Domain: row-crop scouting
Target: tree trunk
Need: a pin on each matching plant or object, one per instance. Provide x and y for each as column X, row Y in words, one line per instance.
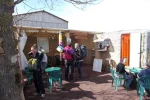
column 9, row 69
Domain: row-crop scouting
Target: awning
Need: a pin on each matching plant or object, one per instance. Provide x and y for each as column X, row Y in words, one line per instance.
column 39, row 31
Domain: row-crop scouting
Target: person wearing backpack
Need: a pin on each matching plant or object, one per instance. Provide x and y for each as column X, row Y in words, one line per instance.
column 37, row 72
column 68, row 54
column 80, row 53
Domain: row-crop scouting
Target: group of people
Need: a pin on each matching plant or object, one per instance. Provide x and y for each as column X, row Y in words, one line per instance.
column 71, row 58
column 120, row 69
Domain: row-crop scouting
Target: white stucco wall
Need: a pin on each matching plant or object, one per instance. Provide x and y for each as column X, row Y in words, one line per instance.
column 115, row 38
column 147, row 48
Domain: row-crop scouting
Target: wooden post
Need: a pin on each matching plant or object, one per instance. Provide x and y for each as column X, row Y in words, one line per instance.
column 67, row 34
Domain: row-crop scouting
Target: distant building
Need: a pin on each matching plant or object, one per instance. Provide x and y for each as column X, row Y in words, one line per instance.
column 40, row 19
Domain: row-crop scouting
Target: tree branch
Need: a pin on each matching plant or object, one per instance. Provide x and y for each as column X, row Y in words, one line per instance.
column 81, row 2
column 18, row 1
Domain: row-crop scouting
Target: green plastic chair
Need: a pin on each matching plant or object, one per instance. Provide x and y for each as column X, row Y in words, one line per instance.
column 142, row 84
column 116, row 80
column 112, row 74
column 29, row 75
column 56, row 76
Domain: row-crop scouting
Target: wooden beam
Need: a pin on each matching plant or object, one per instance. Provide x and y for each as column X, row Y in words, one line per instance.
column 80, row 34
column 81, row 37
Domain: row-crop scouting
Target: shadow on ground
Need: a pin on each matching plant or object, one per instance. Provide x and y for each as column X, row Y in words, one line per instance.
column 93, row 86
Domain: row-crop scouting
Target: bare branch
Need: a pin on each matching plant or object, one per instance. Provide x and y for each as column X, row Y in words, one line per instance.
column 81, row 2
column 15, row 21
column 18, row 1
column 29, row 6
column 32, row 7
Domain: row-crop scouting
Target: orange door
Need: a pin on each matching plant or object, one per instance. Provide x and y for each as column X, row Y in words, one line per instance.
column 125, row 47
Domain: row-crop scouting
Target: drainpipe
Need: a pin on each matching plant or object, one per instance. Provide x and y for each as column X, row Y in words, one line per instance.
column 141, row 42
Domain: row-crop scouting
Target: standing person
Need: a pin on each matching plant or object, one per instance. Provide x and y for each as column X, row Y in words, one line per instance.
column 68, row 54
column 121, row 70
column 78, row 59
column 44, row 60
column 37, row 75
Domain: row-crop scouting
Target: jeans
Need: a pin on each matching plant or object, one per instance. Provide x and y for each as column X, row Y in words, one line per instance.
column 38, row 82
column 44, row 65
column 147, row 90
column 79, row 65
column 68, row 69
column 129, row 79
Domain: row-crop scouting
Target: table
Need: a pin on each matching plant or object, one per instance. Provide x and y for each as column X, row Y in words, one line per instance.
column 135, row 70
column 52, row 77
column 48, row 70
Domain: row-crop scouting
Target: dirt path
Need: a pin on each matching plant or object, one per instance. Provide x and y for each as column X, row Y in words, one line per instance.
column 93, row 86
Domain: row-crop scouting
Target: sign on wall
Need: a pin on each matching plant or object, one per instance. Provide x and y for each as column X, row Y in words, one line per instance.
column 97, row 65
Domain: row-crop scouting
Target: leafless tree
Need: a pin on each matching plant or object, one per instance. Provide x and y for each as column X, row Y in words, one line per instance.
column 10, row 75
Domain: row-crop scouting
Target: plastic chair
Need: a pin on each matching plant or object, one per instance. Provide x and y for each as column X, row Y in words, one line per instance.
column 29, row 75
column 112, row 74
column 115, row 78
column 143, row 83
column 56, row 76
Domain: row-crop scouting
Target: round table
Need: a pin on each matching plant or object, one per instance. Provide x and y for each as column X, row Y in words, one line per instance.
column 52, row 69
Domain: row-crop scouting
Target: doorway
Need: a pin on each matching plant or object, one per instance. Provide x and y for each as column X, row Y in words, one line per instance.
column 125, row 47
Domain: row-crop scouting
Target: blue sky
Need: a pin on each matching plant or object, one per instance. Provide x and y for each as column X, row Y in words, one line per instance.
column 61, row 8
column 109, row 15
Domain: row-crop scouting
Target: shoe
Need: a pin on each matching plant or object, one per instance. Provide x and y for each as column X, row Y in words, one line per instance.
column 80, row 77
column 128, row 89
column 124, row 86
column 66, row 80
column 35, row 94
column 42, row 95
column 147, row 94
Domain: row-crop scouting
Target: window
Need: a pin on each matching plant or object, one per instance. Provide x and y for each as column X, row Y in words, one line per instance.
column 44, row 43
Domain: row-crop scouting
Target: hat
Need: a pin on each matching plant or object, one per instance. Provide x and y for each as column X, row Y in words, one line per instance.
column 68, row 41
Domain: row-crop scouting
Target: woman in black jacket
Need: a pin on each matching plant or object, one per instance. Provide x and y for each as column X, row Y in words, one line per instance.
column 37, row 73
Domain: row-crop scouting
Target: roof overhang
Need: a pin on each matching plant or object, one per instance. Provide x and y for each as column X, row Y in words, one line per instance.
column 39, row 31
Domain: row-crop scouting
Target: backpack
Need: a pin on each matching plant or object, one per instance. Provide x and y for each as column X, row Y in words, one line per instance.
column 67, row 55
column 83, row 52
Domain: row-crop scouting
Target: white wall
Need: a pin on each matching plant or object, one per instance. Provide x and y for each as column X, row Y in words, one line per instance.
column 148, row 46
column 135, row 41
column 115, row 38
